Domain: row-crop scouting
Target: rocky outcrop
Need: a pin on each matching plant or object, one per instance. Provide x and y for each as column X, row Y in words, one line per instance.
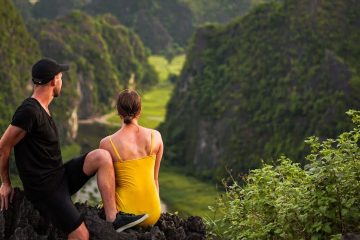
column 22, row 221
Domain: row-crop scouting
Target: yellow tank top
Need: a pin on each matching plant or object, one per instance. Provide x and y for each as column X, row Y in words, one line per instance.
column 136, row 191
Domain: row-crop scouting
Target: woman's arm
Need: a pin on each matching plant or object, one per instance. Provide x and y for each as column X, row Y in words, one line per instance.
column 159, row 154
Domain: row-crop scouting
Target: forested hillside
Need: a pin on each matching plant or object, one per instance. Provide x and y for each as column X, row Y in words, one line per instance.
column 103, row 54
column 18, row 51
column 257, row 87
column 161, row 24
column 164, row 26
column 217, row 11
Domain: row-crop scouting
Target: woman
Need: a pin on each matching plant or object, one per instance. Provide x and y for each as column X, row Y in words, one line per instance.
column 136, row 152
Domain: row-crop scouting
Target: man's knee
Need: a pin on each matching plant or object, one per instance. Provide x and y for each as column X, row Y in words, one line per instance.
column 81, row 233
column 100, row 155
column 96, row 159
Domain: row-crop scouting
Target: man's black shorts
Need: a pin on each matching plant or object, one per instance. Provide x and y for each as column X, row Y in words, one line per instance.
column 58, row 206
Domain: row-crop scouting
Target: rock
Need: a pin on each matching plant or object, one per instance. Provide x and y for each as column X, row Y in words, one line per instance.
column 350, row 236
column 22, row 221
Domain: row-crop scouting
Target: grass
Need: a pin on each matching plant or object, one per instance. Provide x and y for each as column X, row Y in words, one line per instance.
column 176, row 64
column 70, row 151
column 160, row 65
column 186, row 194
column 154, row 106
column 164, row 68
column 154, row 101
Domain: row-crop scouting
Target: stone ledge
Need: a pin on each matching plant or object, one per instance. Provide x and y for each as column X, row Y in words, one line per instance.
column 22, row 221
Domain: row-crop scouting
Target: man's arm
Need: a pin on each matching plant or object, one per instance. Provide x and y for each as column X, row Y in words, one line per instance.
column 10, row 138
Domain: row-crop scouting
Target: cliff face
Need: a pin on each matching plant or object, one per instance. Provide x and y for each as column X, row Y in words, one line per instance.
column 22, row 221
column 257, row 87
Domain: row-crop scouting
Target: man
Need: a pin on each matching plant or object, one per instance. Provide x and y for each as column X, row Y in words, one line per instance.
column 47, row 182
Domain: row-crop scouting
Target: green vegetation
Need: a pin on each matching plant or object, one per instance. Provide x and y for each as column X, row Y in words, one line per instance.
column 176, row 64
column 154, row 105
column 186, row 194
column 161, row 66
column 18, row 51
column 217, row 11
column 214, row 11
column 320, row 201
column 154, row 101
column 70, row 151
column 255, row 88
column 55, row 8
column 164, row 26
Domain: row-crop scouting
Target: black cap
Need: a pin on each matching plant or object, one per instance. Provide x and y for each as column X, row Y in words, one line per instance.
column 45, row 70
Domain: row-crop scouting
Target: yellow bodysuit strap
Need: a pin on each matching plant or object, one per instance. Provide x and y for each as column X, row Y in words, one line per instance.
column 152, row 142
column 115, row 150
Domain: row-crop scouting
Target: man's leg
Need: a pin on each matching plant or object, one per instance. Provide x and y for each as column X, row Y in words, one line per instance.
column 59, row 208
column 81, row 233
column 100, row 162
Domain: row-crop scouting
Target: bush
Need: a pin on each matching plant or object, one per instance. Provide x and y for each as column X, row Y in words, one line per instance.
column 319, row 201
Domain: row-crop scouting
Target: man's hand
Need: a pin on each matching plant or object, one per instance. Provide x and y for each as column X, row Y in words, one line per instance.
column 6, row 194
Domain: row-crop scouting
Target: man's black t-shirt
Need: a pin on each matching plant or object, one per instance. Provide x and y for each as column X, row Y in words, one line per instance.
column 37, row 155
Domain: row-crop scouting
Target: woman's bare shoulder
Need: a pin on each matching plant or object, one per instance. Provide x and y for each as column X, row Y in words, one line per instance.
column 105, row 142
column 155, row 132
column 157, row 136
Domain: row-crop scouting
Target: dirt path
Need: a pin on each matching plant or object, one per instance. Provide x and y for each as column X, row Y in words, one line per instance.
column 101, row 119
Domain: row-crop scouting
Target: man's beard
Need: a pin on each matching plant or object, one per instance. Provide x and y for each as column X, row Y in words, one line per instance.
column 56, row 93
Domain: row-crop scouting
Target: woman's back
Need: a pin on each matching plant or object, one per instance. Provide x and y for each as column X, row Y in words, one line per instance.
column 133, row 142
column 134, row 151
